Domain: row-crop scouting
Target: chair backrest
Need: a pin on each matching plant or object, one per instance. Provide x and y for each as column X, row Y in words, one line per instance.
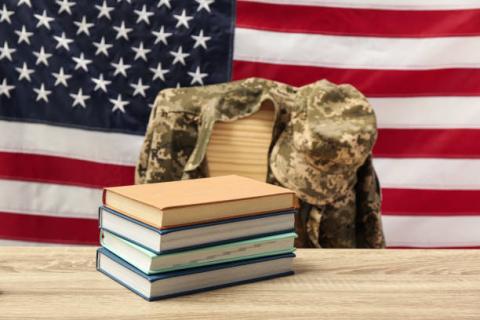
column 241, row 147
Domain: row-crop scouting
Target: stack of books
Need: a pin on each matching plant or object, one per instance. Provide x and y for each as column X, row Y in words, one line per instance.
column 166, row 239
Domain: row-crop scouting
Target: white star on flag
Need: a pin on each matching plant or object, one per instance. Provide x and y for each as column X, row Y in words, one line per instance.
column 121, row 68
column 139, row 88
column 81, row 62
column 165, row 3
column 42, row 94
column 23, row 35
column 143, row 15
column 6, row 52
column 200, row 40
column 65, row 5
column 63, row 41
column 179, row 56
column 42, row 56
column 161, row 36
column 141, row 52
column 182, row 20
column 204, row 4
column 5, row 88
column 83, row 26
column 159, row 73
column 43, row 20
column 119, row 104
column 61, row 78
column 5, row 14
column 197, row 76
column 24, row 72
column 25, row 2
column 122, row 31
column 100, row 83
column 79, row 98
column 102, row 47
column 104, row 10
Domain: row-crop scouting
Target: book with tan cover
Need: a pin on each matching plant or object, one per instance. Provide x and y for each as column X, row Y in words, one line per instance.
column 170, row 204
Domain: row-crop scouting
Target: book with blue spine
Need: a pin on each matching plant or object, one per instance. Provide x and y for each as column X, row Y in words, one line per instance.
column 175, row 283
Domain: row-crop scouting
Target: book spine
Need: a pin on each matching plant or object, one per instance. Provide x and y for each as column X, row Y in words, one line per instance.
column 104, row 195
column 100, row 211
column 97, row 260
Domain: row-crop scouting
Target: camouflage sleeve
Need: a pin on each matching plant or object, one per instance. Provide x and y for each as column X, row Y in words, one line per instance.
column 368, row 221
column 142, row 163
column 169, row 140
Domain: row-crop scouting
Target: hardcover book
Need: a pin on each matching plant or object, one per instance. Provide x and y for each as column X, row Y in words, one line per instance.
column 169, row 204
column 151, row 263
column 198, row 235
column 170, row 284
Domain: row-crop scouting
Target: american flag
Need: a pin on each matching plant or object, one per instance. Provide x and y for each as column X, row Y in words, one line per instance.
column 417, row 62
column 77, row 82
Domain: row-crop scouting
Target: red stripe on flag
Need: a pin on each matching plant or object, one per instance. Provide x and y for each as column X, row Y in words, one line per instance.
column 395, row 143
column 26, row 227
column 357, row 22
column 428, row 143
column 373, row 83
column 50, row 169
column 411, row 202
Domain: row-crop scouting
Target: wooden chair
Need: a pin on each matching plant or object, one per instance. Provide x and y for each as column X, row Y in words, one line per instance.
column 241, row 147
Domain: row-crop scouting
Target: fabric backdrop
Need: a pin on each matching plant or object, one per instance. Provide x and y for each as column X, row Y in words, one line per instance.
column 416, row 61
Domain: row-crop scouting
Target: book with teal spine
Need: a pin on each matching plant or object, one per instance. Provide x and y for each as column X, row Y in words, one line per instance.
column 151, row 263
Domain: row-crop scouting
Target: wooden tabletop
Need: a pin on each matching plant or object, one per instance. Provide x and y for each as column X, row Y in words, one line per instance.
column 61, row 283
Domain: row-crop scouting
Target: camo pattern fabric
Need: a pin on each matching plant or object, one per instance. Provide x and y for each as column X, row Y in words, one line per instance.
column 321, row 146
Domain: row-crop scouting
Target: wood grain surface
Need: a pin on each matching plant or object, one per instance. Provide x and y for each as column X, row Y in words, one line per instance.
column 62, row 283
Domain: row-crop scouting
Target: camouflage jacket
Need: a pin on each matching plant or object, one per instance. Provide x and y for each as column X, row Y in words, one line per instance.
column 321, row 149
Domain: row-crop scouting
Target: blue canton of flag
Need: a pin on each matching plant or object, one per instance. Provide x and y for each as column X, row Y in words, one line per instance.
column 100, row 64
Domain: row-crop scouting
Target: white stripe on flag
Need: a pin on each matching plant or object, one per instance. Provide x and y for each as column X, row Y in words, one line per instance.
column 112, row 148
column 356, row 52
column 428, row 112
column 49, row 199
column 408, row 231
column 448, row 174
column 382, row 4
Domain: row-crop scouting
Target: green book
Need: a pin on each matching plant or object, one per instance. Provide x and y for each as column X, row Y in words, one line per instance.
column 151, row 263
